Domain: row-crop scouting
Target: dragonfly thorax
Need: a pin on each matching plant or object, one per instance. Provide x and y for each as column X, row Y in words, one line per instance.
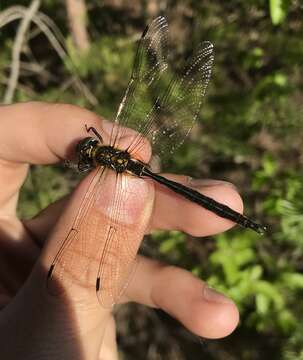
column 111, row 157
column 91, row 154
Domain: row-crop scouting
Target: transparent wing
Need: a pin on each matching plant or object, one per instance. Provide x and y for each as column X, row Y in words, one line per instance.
column 176, row 108
column 150, row 62
column 97, row 254
column 118, row 262
column 157, row 105
column 72, row 261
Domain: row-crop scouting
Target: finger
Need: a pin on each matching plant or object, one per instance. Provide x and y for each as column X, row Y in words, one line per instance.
column 42, row 133
column 37, row 133
column 73, row 309
column 174, row 212
column 95, row 242
column 73, row 314
column 40, row 226
column 201, row 310
column 109, row 349
column 170, row 212
column 12, row 177
column 31, row 133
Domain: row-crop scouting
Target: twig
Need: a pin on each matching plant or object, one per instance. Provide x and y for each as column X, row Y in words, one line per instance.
column 54, row 36
column 15, row 67
column 51, row 31
column 11, row 14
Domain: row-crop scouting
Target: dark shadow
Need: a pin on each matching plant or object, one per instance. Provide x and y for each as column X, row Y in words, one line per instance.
column 34, row 324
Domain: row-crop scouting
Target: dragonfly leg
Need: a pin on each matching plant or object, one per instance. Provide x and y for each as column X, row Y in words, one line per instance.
column 84, row 167
column 69, row 164
column 98, row 135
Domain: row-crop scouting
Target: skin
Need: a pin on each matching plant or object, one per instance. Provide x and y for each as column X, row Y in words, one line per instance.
column 35, row 325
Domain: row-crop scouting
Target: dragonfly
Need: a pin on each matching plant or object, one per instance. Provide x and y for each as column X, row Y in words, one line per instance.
column 105, row 261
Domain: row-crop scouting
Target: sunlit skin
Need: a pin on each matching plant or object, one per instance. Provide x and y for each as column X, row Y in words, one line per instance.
column 39, row 133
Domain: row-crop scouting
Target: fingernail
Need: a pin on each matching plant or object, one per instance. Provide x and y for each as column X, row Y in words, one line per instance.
column 212, row 295
column 209, row 182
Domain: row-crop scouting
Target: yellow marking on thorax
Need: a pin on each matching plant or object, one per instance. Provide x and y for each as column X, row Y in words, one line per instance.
column 92, row 152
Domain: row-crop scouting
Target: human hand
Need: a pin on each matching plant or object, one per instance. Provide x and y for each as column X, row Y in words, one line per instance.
column 35, row 324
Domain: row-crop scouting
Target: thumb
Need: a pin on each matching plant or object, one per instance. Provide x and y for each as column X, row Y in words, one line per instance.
column 63, row 308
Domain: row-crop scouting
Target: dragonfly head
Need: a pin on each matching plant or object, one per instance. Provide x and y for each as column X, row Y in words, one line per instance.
column 85, row 151
column 86, row 145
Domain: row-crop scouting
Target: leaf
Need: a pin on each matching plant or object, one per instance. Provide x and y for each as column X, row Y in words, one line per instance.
column 278, row 11
column 262, row 303
column 293, row 280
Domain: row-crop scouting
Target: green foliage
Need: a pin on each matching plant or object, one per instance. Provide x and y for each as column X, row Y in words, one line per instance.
column 171, row 243
column 278, row 10
column 243, row 276
column 43, row 186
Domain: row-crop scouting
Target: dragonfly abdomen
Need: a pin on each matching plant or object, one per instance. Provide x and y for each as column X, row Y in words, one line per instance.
column 136, row 167
column 206, row 202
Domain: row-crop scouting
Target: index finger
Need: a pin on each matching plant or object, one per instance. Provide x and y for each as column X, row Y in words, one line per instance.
column 41, row 133
column 37, row 133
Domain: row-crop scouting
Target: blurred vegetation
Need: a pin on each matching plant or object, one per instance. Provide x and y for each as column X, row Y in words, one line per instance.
column 249, row 133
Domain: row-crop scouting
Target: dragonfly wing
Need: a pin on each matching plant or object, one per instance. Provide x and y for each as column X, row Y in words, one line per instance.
column 99, row 253
column 177, row 107
column 118, row 262
column 73, row 261
column 157, row 104
column 150, row 62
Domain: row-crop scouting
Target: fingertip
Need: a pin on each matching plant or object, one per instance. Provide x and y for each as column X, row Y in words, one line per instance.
column 226, row 195
column 42, row 133
column 215, row 320
column 174, row 212
column 205, row 313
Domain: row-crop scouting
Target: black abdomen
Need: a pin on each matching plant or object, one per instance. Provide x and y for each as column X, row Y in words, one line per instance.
column 135, row 167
